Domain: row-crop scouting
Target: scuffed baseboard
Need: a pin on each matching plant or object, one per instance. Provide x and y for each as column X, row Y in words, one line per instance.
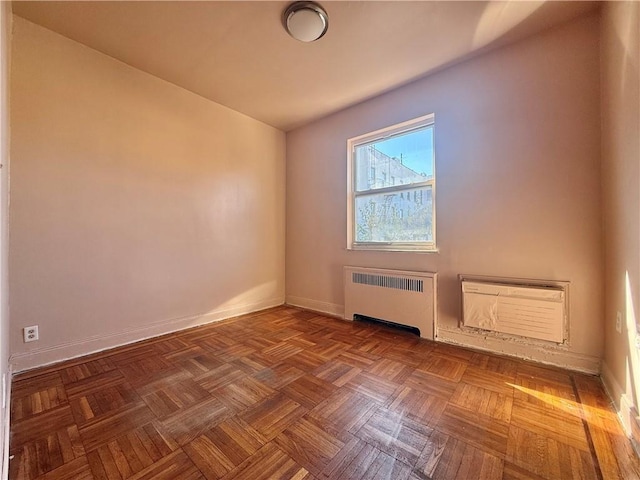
column 77, row 348
column 5, row 430
column 528, row 351
column 560, row 357
column 623, row 404
column 316, row 306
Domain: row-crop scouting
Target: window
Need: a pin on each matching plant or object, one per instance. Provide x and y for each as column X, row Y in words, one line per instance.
column 381, row 213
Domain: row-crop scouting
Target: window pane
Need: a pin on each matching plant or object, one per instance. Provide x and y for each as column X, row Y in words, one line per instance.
column 392, row 187
column 400, row 160
column 395, row 217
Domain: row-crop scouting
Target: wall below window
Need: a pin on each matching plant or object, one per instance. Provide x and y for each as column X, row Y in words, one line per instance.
column 137, row 207
column 517, row 136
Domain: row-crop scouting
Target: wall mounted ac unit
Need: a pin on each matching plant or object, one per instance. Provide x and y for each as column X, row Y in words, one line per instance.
column 529, row 311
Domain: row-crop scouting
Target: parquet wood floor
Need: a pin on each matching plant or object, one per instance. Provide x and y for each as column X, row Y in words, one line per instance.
column 289, row 394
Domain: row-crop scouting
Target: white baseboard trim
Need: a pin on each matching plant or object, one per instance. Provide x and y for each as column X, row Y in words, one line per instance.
column 619, row 397
column 537, row 353
column 6, row 425
column 77, row 348
column 316, row 305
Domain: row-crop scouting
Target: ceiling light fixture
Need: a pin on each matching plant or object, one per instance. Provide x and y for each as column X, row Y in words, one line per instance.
column 305, row 21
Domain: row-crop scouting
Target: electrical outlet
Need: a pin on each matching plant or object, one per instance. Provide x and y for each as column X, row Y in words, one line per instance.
column 619, row 322
column 30, row 333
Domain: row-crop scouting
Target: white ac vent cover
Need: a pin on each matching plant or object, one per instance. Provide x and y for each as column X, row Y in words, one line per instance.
column 528, row 311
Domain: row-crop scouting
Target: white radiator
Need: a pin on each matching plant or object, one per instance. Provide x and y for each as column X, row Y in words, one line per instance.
column 529, row 311
column 407, row 298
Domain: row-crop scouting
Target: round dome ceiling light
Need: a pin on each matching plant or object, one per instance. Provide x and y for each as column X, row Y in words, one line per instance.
column 306, row 21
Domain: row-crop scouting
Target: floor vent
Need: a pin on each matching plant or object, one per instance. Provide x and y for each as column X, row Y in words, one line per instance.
column 378, row 321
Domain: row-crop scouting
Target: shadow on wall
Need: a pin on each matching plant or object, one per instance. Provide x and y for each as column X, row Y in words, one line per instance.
column 266, row 290
column 492, row 25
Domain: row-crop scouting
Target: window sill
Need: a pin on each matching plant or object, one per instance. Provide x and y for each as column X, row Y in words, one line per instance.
column 394, row 248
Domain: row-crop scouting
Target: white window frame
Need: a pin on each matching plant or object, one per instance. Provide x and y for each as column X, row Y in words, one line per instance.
column 352, row 143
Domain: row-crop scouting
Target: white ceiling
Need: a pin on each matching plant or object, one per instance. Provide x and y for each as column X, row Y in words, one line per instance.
column 236, row 53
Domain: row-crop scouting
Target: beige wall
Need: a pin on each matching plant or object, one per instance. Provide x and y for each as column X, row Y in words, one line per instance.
column 5, row 48
column 137, row 207
column 621, row 181
column 518, row 185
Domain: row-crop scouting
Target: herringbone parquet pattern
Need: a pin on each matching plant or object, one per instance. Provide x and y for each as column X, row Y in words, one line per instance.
column 288, row 394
